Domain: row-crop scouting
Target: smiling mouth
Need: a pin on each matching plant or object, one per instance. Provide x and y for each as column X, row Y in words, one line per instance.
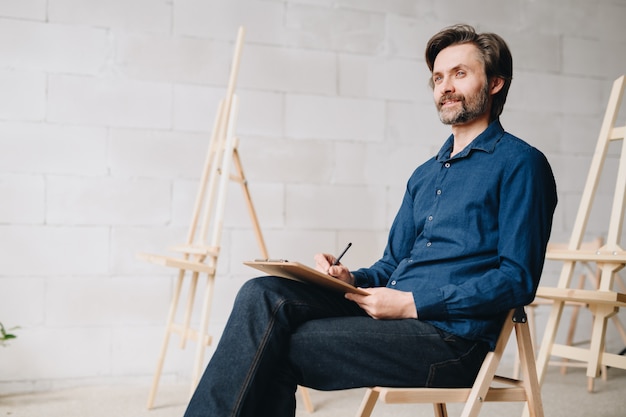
column 446, row 104
column 449, row 99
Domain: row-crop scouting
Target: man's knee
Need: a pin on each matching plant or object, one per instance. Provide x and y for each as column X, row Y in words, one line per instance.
column 256, row 288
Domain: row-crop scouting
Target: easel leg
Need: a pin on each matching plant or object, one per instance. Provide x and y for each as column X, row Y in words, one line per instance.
column 601, row 313
column 203, row 332
column 189, row 309
column 548, row 339
column 166, row 338
column 572, row 324
column 248, row 198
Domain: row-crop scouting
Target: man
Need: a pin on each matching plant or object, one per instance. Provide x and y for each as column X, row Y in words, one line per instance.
column 466, row 246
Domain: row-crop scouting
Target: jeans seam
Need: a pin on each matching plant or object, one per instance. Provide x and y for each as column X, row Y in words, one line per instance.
column 435, row 366
column 253, row 368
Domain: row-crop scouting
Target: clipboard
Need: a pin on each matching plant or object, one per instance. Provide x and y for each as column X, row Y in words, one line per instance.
column 301, row 272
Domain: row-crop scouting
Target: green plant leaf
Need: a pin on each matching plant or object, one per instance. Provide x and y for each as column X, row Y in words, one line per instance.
column 4, row 336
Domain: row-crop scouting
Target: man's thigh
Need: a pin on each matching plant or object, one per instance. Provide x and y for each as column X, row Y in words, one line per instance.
column 350, row 352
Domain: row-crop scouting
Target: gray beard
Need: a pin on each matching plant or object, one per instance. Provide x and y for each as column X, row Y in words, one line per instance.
column 471, row 109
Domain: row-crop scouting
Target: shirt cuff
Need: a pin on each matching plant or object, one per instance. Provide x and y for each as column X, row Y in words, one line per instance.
column 360, row 279
column 430, row 306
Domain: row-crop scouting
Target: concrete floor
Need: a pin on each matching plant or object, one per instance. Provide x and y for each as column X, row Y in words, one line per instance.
column 563, row 396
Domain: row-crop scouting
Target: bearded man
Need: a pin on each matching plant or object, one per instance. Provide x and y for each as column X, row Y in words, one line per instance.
column 466, row 246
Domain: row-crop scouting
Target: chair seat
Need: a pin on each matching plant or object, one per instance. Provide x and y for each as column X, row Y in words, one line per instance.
column 447, row 395
column 487, row 387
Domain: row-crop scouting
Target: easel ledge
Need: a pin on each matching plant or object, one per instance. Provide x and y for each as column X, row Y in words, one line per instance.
column 601, row 256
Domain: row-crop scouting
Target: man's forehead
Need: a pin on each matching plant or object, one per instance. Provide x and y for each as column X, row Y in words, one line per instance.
column 456, row 56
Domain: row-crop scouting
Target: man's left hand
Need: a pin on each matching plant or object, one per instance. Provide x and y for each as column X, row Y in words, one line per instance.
column 386, row 303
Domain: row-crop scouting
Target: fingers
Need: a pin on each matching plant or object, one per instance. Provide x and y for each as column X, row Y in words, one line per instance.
column 335, row 271
column 323, row 261
column 363, row 302
column 385, row 303
column 358, row 298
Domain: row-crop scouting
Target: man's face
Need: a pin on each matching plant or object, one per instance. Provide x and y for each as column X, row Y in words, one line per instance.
column 461, row 90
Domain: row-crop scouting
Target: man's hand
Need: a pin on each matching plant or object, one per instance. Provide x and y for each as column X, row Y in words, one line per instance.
column 386, row 303
column 324, row 263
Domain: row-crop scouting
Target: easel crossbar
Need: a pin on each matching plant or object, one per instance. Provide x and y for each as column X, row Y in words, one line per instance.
column 616, row 257
column 177, row 263
column 583, row 296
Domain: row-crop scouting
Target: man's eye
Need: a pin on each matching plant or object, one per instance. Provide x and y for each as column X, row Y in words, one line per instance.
column 460, row 74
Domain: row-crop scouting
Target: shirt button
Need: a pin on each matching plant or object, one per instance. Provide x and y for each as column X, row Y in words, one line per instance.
column 447, row 165
column 428, row 244
column 438, row 192
column 430, row 218
column 393, row 282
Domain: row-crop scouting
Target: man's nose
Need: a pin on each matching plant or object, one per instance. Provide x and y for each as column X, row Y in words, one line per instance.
column 447, row 86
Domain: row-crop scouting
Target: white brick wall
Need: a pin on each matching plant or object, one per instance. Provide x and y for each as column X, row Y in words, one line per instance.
column 333, row 118
column 154, row 16
column 24, row 95
column 23, row 198
column 27, row 9
column 109, row 102
column 52, row 47
column 105, row 113
column 44, row 148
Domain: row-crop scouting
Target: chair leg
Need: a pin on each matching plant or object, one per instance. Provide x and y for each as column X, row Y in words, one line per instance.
column 487, row 370
column 306, row 399
column 530, row 319
column 531, row 381
column 368, row 403
column 440, row 410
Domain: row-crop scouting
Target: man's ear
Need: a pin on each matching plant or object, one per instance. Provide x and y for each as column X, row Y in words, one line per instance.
column 496, row 85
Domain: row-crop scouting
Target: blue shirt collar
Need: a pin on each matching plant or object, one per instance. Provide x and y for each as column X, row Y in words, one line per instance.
column 485, row 142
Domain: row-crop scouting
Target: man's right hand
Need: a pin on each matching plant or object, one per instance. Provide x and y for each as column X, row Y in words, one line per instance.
column 324, row 263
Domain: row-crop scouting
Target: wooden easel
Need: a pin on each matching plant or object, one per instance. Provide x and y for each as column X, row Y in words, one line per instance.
column 199, row 255
column 590, row 274
column 603, row 302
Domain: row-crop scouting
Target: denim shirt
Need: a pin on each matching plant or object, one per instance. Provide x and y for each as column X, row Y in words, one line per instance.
column 470, row 237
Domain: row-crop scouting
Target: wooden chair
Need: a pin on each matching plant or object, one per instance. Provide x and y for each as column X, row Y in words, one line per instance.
column 506, row 390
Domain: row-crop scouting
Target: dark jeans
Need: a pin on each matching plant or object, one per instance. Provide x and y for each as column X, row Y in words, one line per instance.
column 284, row 333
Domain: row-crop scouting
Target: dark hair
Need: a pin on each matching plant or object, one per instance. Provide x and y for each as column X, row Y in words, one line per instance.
column 492, row 49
